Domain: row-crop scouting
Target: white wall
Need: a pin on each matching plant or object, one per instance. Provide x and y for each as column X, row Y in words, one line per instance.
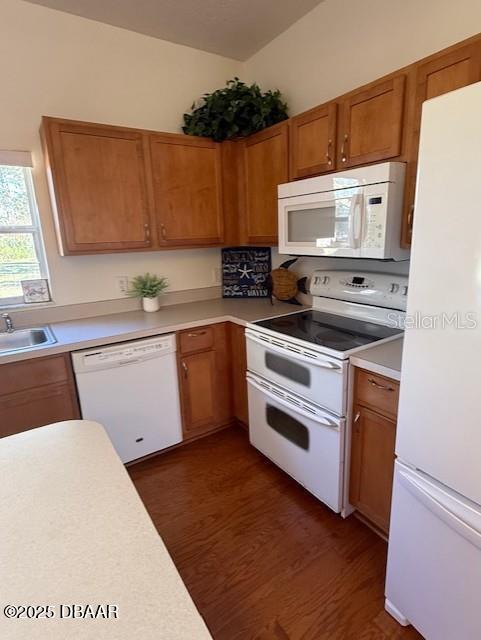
column 342, row 44
column 52, row 63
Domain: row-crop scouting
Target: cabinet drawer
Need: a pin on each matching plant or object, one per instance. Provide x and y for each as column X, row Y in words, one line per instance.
column 199, row 339
column 27, row 374
column 37, row 407
column 377, row 392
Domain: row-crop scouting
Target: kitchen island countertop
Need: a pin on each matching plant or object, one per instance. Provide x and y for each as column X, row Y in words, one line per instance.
column 74, row 531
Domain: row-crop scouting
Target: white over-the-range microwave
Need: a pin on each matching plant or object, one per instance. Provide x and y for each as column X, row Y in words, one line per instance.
column 351, row 214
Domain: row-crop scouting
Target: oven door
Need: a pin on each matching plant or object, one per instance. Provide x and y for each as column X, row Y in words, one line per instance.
column 314, row 376
column 299, row 437
column 322, row 224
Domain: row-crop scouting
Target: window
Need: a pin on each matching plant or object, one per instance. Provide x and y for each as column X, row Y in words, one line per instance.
column 22, row 255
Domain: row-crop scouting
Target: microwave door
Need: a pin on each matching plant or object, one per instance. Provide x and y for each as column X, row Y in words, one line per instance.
column 320, row 227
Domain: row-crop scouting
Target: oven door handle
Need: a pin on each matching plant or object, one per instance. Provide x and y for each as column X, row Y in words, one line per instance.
column 324, row 420
column 317, row 361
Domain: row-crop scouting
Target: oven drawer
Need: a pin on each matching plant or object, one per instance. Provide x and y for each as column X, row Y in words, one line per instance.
column 314, row 376
column 300, row 438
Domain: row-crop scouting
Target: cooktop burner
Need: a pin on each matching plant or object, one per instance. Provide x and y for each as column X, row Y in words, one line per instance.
column 328, row 330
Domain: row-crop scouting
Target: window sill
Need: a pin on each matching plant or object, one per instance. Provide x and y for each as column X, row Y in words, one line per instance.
column 22, row 306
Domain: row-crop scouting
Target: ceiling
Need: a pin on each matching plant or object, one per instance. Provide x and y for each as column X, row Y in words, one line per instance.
column 232, row 28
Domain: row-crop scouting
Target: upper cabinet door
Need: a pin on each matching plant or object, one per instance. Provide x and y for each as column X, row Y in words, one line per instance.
column 453, row 70
column 98, row 186
column 457, row 68
column 313, row 141
column 372, row 122
column 187, row 186
column 266, row 165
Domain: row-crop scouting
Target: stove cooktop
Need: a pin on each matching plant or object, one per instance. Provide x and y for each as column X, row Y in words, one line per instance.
column 335, row 332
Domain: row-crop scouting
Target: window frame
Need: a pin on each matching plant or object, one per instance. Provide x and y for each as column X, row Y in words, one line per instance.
column 34, row 229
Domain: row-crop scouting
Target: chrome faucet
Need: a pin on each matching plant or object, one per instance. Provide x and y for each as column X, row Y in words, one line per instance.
column 8, row 323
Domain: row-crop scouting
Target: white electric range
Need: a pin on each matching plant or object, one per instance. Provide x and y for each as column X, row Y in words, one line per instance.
column 298, row 373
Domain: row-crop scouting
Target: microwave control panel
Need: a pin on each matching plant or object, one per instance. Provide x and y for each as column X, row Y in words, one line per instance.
column 375, row 230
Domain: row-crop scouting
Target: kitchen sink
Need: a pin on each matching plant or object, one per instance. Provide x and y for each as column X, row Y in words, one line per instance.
column 21, row 339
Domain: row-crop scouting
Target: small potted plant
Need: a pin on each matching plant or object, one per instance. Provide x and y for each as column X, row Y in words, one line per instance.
column 148, row 287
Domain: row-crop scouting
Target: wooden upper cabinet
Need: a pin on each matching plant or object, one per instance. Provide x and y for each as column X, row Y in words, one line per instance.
column 312, row 141
column 187, row 189
column 266, row 165
column 447, row 72
column 372, row 123
column 458, row 67
column 98, row 186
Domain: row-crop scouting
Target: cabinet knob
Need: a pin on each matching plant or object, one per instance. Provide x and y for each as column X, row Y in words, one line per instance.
column 328, row 154
column 147, row 231
column 410, row 217
column 163, row 232
column 185, row 368
column 343, row 148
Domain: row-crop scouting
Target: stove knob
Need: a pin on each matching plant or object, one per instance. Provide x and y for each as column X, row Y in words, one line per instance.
column 325, row 280
column 405, row 290
column 394, row 288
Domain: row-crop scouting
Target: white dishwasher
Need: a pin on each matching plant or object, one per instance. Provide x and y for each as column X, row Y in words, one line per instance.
column 132, row 389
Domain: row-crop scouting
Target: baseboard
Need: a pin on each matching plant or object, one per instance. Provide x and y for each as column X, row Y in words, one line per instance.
column 382, row 534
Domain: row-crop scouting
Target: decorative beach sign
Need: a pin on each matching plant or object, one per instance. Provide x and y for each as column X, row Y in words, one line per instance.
column 245, row 272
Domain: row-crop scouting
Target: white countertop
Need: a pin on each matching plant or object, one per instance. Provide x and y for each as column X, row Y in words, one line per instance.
column 383, row 359
column 74, row 530
column 100, row 330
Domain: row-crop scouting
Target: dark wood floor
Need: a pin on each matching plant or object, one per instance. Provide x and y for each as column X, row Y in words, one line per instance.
column 260, row 556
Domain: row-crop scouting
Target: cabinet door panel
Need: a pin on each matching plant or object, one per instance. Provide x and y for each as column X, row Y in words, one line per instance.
column 198, row 380
column 266, row 165
column 98, row 184
column 372, row 124
column 313, row 142
column 372, row 465
column 187, row 190
column 239, row 370
column 37, row 407
column 447, row 72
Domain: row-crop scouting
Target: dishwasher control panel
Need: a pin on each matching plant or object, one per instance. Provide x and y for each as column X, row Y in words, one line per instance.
column 124, row 353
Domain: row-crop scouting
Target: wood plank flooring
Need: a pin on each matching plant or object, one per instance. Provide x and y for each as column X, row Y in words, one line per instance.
column 262, row 558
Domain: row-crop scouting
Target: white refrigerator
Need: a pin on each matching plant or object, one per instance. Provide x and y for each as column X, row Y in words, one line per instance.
column 434, row 558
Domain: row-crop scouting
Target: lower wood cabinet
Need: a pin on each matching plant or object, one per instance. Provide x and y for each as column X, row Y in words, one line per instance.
column 204, row 379
column 372, row 465
column 239, row 370
column 373, row 436
column 36, row 392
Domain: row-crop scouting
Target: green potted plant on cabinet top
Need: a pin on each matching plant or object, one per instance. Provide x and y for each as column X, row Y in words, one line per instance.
column 236, row 111
column 148, row 287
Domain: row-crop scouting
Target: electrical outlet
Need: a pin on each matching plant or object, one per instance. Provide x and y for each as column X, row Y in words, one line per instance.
column 123, row 284
column 217, row 275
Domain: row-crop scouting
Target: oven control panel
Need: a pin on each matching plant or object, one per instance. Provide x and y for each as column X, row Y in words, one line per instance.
column 377, row 289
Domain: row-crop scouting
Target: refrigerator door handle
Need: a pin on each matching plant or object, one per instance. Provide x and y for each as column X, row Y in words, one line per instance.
column 457, row 515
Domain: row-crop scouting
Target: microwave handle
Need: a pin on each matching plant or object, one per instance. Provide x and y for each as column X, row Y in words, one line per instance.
column 320, row 419
column 355, row 220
